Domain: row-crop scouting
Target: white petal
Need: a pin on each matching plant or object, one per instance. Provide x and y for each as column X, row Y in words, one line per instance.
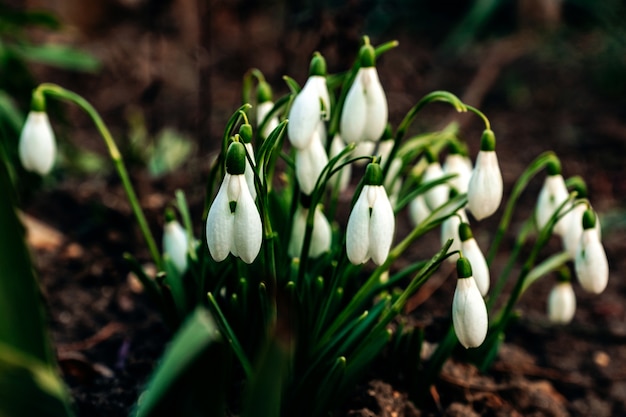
column 322, row 235
column 341, row 180
column 418, row 210
column 319, row 83
column 365, row 148
column 376, row 101
column 248, row 231
column 462, row 167
column 310, row 163
column 297, row 232
column 37, row 146
column 477, row 260
column 469, row 313
column 304, row 115
column 382, row 226
column 357, row 231
column 561, row 303
column 553, row 193
column 249, row 172
column 439, row 194
column 484, row 193
column 573, row 225
column 592, row 267
column 450, row 230
column 175, row 244
column 354, row 113
column 262, row 111
column 220, row 224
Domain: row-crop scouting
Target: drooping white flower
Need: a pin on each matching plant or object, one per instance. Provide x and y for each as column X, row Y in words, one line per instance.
column 561, row 303
column 437, row 195
column 37, row 146
column 471, row 251
column 365, row 148
column 264, row 106
column 310, row 106
column 364, row 115
column 320, row 238
column 450, row 230
column 233, row 223
column 460, row 165
column 592, row 266
column 552, row 195
column 371, row 224
column 418, row 210
column 484, row 193
column 341, row 179
column 310, row 162
column 469, row 312
column 175, row 244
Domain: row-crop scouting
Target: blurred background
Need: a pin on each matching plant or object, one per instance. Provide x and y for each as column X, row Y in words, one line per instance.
column 166, row 75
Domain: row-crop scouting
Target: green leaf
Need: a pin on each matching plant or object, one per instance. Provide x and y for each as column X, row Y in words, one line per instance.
column 61, row 56
column 189, row 379
column 10, row 113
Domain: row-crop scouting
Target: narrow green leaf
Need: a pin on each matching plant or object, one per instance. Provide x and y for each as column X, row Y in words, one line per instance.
column 61, row 56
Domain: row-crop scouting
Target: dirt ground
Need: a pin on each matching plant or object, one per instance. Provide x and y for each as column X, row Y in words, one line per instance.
column 182, row 63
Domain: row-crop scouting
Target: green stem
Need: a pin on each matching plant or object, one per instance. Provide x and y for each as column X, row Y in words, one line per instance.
column 59, row 92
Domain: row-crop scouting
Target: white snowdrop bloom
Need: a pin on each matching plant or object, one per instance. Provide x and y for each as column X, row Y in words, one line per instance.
column 249, row 171
column 418, row 210
column 310, row 106
column 471, row 251
column 364, row 115
column 561, row 303
column 469, row 312
column 233, row 223
column 341, row 179
column 262, row 111
column 175, row 244
column 371, row 224
column 450, row 230
column 320, row 238
column 37, row 146
column 439, row 194
column 592, row 266
column 460, row 165
column 310, row 162
column 365, row 148
column 573, row 228
column 484, row 192
column 553, row 193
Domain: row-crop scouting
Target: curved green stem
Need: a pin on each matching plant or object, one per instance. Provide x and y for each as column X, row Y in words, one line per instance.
column 59, row 92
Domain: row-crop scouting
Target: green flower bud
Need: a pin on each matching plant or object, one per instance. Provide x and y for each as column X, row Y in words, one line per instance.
column 236, row 159
column 578, row 184
column 373, row 174
column 553, row 166
column 318, row 65
column 38, row 101
column 488, row 141
column 170, row 216
column 465, row 232
column 245, row 131
column 589, row 219
column 463, row 268
column 367, row 56
column 263, row 92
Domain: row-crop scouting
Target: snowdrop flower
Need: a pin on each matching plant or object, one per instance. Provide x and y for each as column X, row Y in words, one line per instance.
column 561, row 303
column 450, row 230
column 485, row 187
column 245, row 132
column 320, row 238
column 264, row 106
column 469, row 312
column 365, row 148
column 364, row 115
column 592, row 267
column 459, row 164
column 371, row 224
column 418, row 210
column 437, row 195
column 341, row 179
column 175, row 243
column 552, row 195
column 37, row 146
column 471, row 251
column 233, row 223
column 310, row 162
column 311, row 105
